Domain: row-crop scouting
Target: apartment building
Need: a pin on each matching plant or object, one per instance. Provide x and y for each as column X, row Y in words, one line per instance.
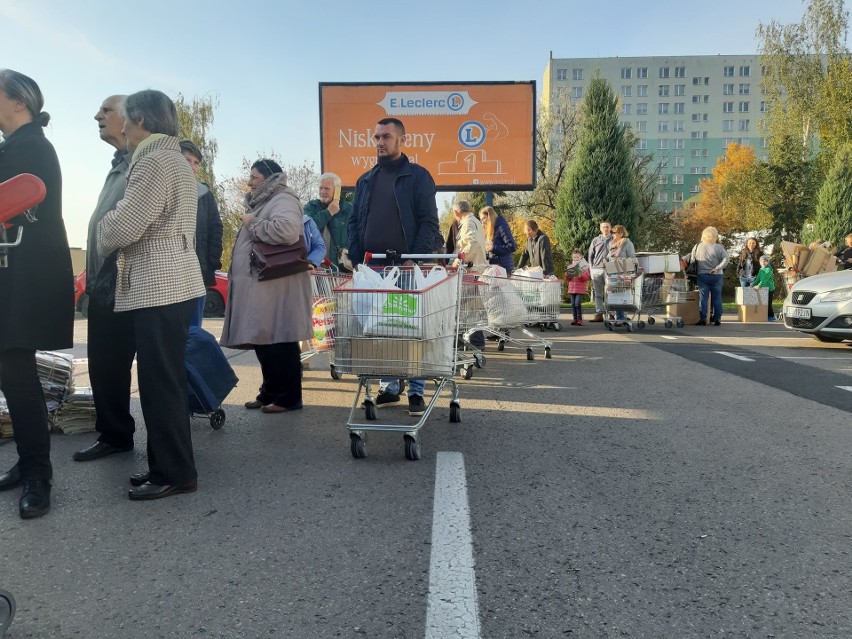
column 684, row 109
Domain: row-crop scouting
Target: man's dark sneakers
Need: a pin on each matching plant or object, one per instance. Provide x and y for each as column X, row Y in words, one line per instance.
column 416, row 405
column 385, row 398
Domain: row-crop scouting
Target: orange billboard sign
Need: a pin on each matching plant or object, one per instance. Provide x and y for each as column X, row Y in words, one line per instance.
column 471, row 136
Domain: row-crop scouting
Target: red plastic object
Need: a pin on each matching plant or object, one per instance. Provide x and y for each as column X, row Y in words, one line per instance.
column 19, row 194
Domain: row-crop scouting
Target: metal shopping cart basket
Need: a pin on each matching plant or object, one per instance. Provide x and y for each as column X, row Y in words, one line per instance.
column 472, row 318
column 323, row 283
column 658, row 291
column 623, row 300
column 542, row 298
column 406, row 334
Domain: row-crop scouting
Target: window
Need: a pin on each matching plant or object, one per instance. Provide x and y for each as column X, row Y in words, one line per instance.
column 727, row 107
column 706, row 99
column 728, row 89
column 705, row 117
column 696, row 153
column 706, row 80
column 729, row 72
column 664, row 162
column 678, row 143
column 663, row 108
column 642, row 126
column 561, row 74
column 662, row 179
column 694, row 170
column 664, row 72
column 728, row 141
column 663, row 145
column 677, row 196
column 745, row 71
column 625, row 110
column 662, row 196
column 626, row 91
column 727, row 125
column 577, row 93
column 642, row 144
column 678, row 162
column 678, row 179
column 680, row 89
column 679, row 107
column 664, row 91
column 642, row 72
column 696, row 99
column 695, row 188
column 763, row 107
column 697, row 135
column 678, row 125
column 680, row 72
column 696, row 80
column 642, row 90
column 641, row 108
column 704, row 170
column 626, row 125
column 577, row 74
column 663, row 126
column 745, row 141
column 743, row 107
column 763, row 143
column 745, row 88
column 696, row 117
column 626, row 73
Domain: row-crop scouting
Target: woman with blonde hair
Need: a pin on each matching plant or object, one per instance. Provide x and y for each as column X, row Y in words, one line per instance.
column 712, row 259
column 620, row 246
column 499, row 242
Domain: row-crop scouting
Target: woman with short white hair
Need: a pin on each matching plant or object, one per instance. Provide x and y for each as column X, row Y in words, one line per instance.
column 712, row 259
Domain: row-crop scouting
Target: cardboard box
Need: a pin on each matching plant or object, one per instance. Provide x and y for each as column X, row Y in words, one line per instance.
column 655, row 263
column 687, row 311
column 751, row 297
column 384, row 356
column 625, row 265
column 795, row 255
column 753, row 313
column 681, row 297
column 821, row 260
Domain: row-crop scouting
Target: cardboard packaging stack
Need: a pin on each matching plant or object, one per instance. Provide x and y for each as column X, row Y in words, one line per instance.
column 808, row 260
column 684, row 305
column 658, row 263
column 752, row 304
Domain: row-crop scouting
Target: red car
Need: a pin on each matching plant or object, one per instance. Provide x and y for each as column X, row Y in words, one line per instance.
column 214, row 306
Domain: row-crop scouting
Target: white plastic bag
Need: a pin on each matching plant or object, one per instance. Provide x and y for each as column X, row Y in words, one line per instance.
column 504, row 306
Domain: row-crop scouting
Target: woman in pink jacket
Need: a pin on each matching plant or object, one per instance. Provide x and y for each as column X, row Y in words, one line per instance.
column 577, row 275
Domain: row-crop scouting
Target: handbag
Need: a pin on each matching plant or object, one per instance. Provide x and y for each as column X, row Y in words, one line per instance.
column 272, row 261
column 692, row 266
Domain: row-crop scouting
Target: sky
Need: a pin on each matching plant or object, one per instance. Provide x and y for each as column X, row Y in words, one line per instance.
column 263, row 61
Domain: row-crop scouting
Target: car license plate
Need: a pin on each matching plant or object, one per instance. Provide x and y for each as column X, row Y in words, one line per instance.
column 798, row 311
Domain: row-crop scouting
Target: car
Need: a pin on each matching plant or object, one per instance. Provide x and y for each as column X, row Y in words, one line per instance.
column 821, row 305
column 214, row 305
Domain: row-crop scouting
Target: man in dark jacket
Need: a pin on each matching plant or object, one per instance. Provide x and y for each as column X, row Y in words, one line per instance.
column 537, row 251
column 331, row 215
column 208, row 228
column 394, row 210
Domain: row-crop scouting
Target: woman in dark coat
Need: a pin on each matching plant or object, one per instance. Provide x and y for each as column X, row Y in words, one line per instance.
column 36, row 289
column 748, row 263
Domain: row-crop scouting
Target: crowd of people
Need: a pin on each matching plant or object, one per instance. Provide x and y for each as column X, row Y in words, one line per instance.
column 154, row 243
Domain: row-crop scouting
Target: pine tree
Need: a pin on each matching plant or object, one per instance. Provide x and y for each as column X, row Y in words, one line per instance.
column 833, row 215
column 600, row 183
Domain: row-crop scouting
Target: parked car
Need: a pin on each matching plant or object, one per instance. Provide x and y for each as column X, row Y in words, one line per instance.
column 821, row 305
column 214, row 306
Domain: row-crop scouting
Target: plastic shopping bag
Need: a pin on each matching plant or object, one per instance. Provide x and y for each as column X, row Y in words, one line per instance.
column 504, row 306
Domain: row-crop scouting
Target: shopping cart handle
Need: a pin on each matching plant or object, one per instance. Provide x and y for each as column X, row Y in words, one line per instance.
column 17, row 242
column 413, row 256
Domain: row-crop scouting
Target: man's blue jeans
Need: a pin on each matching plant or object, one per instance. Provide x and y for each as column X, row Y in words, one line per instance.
column 710, row 285
column 415, row 386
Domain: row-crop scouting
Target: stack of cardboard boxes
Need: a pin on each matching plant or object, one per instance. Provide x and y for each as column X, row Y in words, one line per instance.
column 752, row 304
column 804, row 261
column 683, row 304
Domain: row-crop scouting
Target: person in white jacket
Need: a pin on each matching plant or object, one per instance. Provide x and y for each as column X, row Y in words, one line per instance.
column 470, row 239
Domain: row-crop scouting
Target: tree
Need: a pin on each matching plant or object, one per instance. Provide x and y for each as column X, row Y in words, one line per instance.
column 600, row 183
column 195, row 120
column 833, row 215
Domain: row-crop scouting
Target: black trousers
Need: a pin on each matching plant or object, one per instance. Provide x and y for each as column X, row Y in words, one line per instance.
column 160, row 334
column 282, row 374
column 111, row 349
column 25, row 400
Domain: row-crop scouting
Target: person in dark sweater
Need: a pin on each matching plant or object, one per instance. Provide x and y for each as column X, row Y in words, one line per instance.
column 394, row 210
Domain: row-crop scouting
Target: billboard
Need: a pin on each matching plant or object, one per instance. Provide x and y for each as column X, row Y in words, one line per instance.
column 471, row 136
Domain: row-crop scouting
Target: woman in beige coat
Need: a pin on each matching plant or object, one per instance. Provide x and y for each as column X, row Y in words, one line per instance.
column 269, row 316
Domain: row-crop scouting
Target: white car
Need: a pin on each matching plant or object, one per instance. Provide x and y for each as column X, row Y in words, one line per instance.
column 822, row 306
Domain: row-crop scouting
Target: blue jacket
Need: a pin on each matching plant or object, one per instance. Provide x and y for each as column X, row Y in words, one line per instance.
column 314, row 243
column 502, row 245
column 418, row 211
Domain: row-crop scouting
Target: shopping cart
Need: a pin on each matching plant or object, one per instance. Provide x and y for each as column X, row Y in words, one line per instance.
column 658, row 292
column 542, row 299
column 623, row 297
column 472, row 318
column 323, row 283
column 507, row 303
column 405, row 334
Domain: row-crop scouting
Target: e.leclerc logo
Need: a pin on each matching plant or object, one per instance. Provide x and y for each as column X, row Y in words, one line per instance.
column 472, row 134
column 427, row 103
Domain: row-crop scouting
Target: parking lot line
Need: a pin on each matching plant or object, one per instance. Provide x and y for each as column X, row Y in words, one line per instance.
column 846, row 388
column 452, row 609
column 742, row 358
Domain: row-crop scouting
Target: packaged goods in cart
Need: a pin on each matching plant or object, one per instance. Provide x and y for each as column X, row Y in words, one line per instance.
column 503, row 304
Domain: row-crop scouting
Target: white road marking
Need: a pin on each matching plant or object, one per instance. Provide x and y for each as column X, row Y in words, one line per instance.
column 668, row 337
column 735, row 356
column 846, row 388
column 452, row 611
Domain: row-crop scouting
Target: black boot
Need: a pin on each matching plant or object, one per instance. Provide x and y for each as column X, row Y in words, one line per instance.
column 35, row 498
column 10, row 479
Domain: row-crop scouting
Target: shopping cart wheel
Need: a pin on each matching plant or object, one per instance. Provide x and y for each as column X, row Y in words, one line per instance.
column 369, row 409
column 455, row 412
column 680, row 323
column 557, row 326
column 542, row 327
column 651, row 321
column 356, row 446
column 640, row 325
column 547, row 353
column 629, row 327
column 667, row 323
column 608, row 324
column 333, row 370
column 7, row 611
column 501, row 345
column 412, row 448
column 530, row 355
column 479, row 360
column 217, row 419
column 468, row 371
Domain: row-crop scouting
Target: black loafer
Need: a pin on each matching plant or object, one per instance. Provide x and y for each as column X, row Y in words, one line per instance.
column 10, row 479
column 149, row 491
column 99, row 449
column 35, row 498
column 137, row 479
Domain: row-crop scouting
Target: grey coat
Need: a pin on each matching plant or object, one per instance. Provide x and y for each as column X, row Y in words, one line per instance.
column 271, row 311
